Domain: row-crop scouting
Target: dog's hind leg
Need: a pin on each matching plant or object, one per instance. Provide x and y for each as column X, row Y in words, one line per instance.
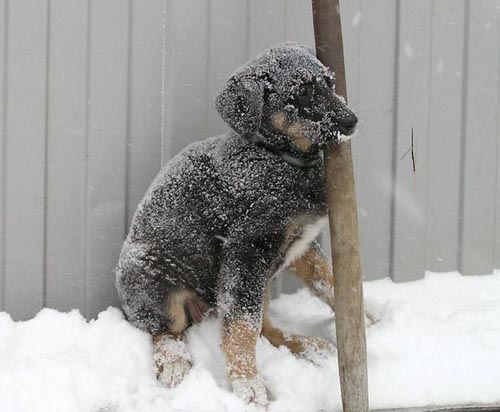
column 172, row 360
column 314, row 270
column 306, row 346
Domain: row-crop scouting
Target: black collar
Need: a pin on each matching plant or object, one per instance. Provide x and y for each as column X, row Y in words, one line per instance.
column 293, row 158
column 300, row 161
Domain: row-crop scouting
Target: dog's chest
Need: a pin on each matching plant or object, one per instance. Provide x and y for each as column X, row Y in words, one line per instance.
column 300, row 235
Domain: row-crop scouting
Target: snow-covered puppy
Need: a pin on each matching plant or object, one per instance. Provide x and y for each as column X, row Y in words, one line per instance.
column 229, row 213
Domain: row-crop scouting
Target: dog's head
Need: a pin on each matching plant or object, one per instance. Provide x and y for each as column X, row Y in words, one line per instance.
column 286, row 95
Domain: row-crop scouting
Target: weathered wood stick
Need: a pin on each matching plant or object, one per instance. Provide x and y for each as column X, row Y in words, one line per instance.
column 349, row 312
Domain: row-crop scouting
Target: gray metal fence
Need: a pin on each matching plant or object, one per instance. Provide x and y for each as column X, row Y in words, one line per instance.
column 96, row 94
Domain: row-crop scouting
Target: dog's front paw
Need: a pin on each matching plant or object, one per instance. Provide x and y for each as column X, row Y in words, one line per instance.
column 171, row 373
column 250, row 390
column 316, row 350
column 172, row 362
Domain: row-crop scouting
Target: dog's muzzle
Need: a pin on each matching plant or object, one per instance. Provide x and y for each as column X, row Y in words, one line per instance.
column 333, row 127
column 347, row 124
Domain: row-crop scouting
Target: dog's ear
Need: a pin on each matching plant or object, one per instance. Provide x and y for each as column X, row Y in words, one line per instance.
column 240, row 103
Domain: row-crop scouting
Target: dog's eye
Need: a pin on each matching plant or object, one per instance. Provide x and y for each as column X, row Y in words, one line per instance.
column 305, row 92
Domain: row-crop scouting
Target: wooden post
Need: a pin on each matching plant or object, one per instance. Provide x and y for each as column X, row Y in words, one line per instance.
column 342, row 210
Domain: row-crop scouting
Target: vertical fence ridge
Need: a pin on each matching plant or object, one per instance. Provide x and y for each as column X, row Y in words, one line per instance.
column 445, row 108
column 46, row 156
column 497, row 212
column 425, row 242
column 496, row 242
column 208, row 77
column 25, row 158
column 479, row 168
column 427, row 153
column 285, row 16
column 3, row 150
column 86, row 206
column 164, row 80
column 463, row 135
column 395, row 119
column 128, row 141
column 247, row 29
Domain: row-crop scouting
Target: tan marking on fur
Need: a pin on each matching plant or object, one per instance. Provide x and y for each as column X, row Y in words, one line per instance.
column 314, row 270
column 279, row 121
column 238, row 343
column 274, row 335
column 278, row 338
column 295, row 130
column 297, row 344
column 177, row 312
column 294, row 230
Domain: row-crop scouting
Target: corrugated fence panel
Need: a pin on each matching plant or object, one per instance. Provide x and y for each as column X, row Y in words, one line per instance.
column 497, row 211
column 227, row 51
column 479, row 145
column 410, row 151
column 186, row 66
column 96, row 95
column 375, row 107
column 145, row 85
column 266, row 23
column 497, row 237
column 66, row 127
column 107, row 131
column 24, row 223
column 444, row 138
column 298, row 22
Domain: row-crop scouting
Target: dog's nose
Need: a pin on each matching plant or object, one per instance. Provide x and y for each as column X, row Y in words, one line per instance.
column 348, row 124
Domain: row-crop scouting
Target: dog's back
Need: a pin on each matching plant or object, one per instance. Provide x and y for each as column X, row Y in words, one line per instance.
column 205, row 196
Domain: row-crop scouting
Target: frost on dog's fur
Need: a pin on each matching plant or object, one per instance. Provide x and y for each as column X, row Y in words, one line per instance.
column 212, row 189
column 277, row 74
column 217, row 219
column 172, row 361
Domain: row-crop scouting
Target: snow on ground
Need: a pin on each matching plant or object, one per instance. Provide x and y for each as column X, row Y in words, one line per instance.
column 438, row 342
